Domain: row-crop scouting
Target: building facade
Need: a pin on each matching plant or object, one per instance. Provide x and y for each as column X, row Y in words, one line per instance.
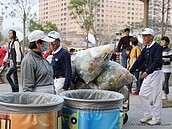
column 111, row 16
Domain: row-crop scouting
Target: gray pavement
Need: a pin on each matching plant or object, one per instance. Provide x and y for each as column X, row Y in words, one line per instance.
column 135, row 113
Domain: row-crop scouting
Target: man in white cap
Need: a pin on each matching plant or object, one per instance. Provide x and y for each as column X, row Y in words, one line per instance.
column 153, row 77
column 37, row 73
column 61, row 62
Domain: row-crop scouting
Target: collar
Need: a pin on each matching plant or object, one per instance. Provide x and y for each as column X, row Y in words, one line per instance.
column 35, row 54
column 58, row 49
column 150, row 45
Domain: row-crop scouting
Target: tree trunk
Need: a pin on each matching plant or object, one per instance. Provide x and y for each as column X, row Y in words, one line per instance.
column 87, row 40
column 24, row 32
column 146, row 12
column 162, row 20
column 167, row 17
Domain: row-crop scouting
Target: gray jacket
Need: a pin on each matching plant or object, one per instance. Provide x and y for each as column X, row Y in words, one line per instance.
column 36, row 72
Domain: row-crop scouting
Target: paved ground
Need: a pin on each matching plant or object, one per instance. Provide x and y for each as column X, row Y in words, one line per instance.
column 135, row 113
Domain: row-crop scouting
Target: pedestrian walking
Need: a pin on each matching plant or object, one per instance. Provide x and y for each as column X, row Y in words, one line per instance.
column 2, row 55
column 166, row 67
column 36, row 72
column 151, row 88
column 13, row 57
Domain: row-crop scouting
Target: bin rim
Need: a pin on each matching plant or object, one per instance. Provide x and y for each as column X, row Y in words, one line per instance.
column 31, row 105
column 98, row 101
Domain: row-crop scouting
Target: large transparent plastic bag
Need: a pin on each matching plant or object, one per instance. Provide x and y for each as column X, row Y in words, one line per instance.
column 89, row 63
column 113, row 77
column 80, row 84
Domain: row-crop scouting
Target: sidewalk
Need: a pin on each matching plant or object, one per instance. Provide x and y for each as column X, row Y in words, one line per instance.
column 135, row 114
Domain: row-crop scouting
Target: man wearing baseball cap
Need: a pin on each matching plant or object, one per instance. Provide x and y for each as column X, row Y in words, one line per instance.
column 153, row 77
column 37, row 73
column 61, row 63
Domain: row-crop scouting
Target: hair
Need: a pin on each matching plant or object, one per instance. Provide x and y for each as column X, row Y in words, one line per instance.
column 72, row 50
column 166, row 39
column 128, row 49
column 127, row 29
column 14, row 33
column 134, row 41
column 33, row 45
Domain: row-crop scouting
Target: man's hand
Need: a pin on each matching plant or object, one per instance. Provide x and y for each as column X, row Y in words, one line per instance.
column 5, row 63
column 144, row 75
column 62, row 90
column 17, row 66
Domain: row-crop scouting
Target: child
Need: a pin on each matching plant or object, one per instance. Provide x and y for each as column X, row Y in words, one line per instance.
column 135, row 52
column 166, row 57
column 128, row 51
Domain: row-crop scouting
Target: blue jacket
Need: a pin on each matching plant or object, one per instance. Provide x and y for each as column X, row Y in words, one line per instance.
column 61, row 64
column 152, row 57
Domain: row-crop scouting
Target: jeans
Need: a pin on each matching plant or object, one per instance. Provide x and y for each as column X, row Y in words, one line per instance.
column 14, row 82
column 166, row 83
column 124, row 58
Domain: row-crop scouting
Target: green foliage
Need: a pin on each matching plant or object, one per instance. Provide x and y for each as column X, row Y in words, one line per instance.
column 1, row 37
column 158, row 40
column 49, row 26
column 46, row 28
column 83, row 11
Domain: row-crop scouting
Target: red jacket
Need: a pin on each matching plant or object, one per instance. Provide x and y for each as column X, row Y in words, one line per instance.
column 2, row 55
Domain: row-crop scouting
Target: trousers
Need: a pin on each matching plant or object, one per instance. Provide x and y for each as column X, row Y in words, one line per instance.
column 151, row 90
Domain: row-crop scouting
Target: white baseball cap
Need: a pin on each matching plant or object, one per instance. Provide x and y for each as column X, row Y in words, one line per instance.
column 39, row 35
column 54, row 35
column 148, row 31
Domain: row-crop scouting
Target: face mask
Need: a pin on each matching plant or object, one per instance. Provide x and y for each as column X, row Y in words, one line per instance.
column 45, row 47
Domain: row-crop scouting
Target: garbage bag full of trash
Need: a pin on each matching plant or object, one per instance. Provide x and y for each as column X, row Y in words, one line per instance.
column 89, row 63
column 113, row 77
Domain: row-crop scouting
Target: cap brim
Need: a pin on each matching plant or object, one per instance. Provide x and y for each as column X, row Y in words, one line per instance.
column 48, row 39
column 145, row 33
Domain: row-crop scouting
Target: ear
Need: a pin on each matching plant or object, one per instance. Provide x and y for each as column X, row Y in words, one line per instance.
column 37, row 44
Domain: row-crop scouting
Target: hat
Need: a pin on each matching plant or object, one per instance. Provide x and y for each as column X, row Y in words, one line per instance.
column 54, row 35
column 148, row 31
column 39, row 35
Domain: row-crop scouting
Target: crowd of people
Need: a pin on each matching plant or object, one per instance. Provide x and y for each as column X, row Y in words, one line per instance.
column 39, row 72
column 152, row 68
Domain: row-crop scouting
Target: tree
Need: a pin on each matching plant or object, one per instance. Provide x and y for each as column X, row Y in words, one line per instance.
column 34, row 26
column 1, row 37
column 83, row 11
column 20, row 9
column 46, row 28
column 165, row 16
column 49, row 26
column 146, row 12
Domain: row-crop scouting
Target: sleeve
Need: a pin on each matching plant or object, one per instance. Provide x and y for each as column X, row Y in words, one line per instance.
column 157, row 63
column 119, row 45
column 68, row 69
column 27, row 76
column 138, row 51
column 6, row 57
column 170, row 54
column 18, row 51
column 139, row 61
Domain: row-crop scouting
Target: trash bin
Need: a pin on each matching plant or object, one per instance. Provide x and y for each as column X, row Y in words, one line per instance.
column 92, row 109
column 30, row 110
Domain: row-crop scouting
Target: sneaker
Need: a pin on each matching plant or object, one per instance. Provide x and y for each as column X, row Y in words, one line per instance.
column 145, row 119
column 135, row 93
column 164, row 96
column 154, row 122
